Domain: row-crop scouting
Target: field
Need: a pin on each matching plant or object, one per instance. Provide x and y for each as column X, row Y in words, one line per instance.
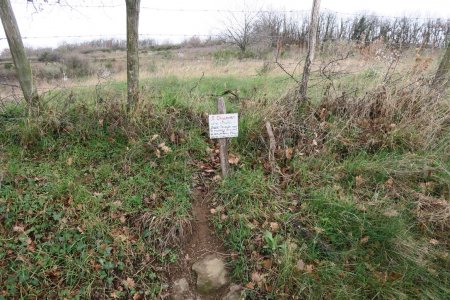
column 354, row 206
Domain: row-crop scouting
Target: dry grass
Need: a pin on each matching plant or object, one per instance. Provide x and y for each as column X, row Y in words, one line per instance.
column 167, row 230
column 433, row 211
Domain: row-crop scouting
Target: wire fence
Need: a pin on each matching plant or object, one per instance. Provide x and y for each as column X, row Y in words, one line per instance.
column 330, row 46
column 209, row 10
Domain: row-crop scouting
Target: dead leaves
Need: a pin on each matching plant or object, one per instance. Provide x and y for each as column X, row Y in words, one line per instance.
column 129, row 283
column 258, row 280
column 359, row 180
column 158, row 146
column 250, row 285
column 274, row 226
column 301, row 266
column 19, row 229
column 289, row 153
column 364, row 240
column 267, row 263
column 434, row 242
column 210, row 168
column 164, row 148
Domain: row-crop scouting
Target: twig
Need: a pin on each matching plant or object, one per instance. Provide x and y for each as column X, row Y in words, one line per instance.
column 9, row 84
column 196, row 84
column 284, row 70
column 282, row 67
column 331, row 62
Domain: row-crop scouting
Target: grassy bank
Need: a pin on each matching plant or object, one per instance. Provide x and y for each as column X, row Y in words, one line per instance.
column 93, row 205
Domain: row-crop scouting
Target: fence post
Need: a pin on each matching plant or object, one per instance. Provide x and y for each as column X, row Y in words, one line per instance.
column 223, row 143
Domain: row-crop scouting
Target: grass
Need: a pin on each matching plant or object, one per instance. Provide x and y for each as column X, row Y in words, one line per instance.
column 353, row 245
column 73, row 202
column 95, row 206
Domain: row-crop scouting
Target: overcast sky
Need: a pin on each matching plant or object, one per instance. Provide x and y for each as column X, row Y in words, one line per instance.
column 171, row 19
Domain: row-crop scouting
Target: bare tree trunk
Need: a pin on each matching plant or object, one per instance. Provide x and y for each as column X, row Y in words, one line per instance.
column 132, row 53
column 23, row 67
column 442, row 73
column 311, row 46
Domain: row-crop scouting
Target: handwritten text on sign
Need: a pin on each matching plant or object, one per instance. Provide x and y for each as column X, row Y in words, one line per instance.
column 223, row 126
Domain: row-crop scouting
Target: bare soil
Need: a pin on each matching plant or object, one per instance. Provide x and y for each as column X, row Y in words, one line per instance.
column 200, row 243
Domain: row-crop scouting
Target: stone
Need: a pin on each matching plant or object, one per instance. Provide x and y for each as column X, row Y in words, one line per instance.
column 211, row 274
column 234, row 293
column 181, row 291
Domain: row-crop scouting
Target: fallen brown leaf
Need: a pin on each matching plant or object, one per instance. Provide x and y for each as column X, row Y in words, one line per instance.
column 19, row 229
column 288, row 152
column 164, row 148
column 267, row 263
column 129, row 283
column 300, row 266
column 137, row 296
column 233, row 159
column 250, row 285
column 359, row 180
column 274, row 226
column 434, row 242
column 364, row 240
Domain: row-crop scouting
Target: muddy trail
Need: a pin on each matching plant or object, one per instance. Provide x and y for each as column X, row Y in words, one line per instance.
column 202, row 245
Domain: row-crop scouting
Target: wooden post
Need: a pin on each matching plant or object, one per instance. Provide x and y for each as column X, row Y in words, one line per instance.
column 442, row 73
column 272, row 147
column 223, row 143
column 23, row 67
column 132, row 53
column 310, row 55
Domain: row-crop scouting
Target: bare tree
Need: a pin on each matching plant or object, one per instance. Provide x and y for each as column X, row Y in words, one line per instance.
column 268, row 28
column 21, row 62
column 133, row 7
column 239, row 29
column 311, row 48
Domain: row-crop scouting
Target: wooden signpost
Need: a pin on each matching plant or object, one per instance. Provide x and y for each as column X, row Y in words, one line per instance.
column 223, row 126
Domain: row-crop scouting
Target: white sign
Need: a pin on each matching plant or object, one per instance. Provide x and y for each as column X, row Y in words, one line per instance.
column 223, row 126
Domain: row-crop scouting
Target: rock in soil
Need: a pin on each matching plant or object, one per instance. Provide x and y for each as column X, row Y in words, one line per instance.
column 234, row 293
column 181, row 291
column 211, row 274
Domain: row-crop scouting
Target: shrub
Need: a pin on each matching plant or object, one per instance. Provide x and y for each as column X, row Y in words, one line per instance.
column 8, row 72
column 77, row 66
column 152, row 67
column 265, row 68
column 49, row 56
column 225, row 55
column 166, row 54
column 193, row 42
column 8, row 66
column 49, row 72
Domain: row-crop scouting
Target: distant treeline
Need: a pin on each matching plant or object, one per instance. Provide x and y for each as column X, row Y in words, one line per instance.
column 364, row 28
column 269, row 29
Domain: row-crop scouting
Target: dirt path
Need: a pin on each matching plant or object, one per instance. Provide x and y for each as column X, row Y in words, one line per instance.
column 203, row 241
column 200, row 243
